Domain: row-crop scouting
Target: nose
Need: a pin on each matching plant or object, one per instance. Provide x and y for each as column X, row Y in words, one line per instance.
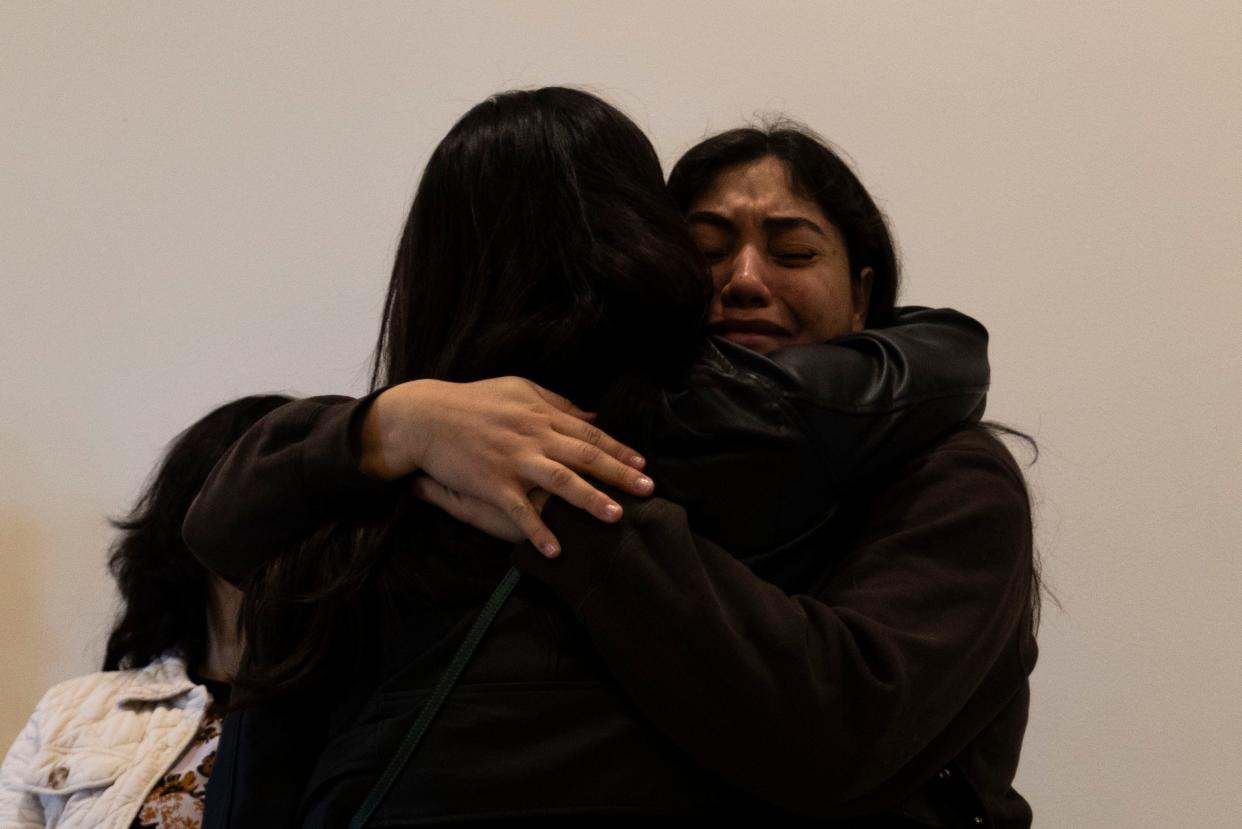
column 745, row 285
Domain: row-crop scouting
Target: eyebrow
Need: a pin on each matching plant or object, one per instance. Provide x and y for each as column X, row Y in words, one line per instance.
column 707, row 217
column 779, row 223
column 770, row 224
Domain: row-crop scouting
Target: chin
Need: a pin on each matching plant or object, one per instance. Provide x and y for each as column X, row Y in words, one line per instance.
column 763, row 343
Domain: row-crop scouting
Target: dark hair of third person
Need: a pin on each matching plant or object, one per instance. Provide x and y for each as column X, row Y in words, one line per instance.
column 542, row 243
column 817, row 172
column 163, row 587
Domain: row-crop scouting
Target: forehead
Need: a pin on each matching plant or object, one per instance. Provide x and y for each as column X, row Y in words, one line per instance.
column 755, row 190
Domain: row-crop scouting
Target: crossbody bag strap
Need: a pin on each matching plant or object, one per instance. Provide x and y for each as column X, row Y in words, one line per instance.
column 419, row 729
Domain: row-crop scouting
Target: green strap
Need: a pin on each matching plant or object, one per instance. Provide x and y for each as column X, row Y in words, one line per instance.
column 419, row 729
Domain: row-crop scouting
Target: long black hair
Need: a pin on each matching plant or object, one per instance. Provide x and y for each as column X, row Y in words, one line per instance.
column 817, row 172
column 541, row 239
column 163, row 587
column 541, row 243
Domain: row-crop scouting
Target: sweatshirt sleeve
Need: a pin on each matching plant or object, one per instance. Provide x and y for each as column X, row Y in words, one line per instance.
column 276, row 482
column 808, row 701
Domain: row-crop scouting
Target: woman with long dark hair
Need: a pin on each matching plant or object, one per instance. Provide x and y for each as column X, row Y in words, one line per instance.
column 541, row 244
column 134, row 744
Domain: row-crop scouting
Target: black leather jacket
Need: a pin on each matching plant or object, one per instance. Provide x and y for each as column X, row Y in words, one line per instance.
column 759, row 451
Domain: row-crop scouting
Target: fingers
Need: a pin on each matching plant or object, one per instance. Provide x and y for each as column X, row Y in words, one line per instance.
column 564, row 482
column 524, row 515
column 577, row 423
column 454, row 503
column 580, row 456
column 481, row 515
column 563, row 404
column 427, row 489
column 592, row 436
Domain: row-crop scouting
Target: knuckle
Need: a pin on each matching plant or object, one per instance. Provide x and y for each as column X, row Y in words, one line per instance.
column 537, row 413
column 561, row 477
column 528, row 426
column 517, row 511
column 593, row 435
column 587, row 453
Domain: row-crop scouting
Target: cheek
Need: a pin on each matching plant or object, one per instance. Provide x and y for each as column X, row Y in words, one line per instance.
column 720, row 277
column 821, row 305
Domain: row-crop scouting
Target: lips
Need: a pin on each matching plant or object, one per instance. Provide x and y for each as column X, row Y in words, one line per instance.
column 726, row 327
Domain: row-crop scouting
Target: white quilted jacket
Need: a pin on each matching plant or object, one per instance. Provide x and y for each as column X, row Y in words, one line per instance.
column 96, row 745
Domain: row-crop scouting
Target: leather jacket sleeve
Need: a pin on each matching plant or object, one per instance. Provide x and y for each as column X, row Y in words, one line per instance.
column 859, row 401
column 789, row 434
column 880, row 395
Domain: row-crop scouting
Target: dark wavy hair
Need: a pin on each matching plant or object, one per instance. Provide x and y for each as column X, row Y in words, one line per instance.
column 541, row 243
column 163, row 587
column 817, row 172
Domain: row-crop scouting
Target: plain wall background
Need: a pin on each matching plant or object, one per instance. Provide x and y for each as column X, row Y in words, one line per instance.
column 198, row 203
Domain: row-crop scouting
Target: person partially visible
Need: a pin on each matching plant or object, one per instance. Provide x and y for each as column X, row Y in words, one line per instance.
column 890, row 686
column 134, row 744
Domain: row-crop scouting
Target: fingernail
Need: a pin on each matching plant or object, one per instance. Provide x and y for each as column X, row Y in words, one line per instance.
column 644, row 484
column 550, row 549
column 612, row 510
column 637, row 461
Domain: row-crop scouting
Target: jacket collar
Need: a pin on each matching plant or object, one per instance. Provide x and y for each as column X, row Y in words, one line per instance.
column 162, row 679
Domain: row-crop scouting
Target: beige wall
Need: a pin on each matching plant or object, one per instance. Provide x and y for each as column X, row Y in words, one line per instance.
column 196, row 205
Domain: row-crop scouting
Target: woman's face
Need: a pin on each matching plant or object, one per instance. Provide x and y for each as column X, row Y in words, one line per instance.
column 780, row 268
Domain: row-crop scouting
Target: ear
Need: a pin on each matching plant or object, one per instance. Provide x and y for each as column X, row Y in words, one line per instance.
column 860, row 299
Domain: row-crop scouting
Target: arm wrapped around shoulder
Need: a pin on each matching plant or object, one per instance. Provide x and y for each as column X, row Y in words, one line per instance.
column 835, row 702
column 276, row 483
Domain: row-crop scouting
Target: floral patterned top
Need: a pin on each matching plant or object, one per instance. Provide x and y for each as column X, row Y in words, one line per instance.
column 176, row 801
